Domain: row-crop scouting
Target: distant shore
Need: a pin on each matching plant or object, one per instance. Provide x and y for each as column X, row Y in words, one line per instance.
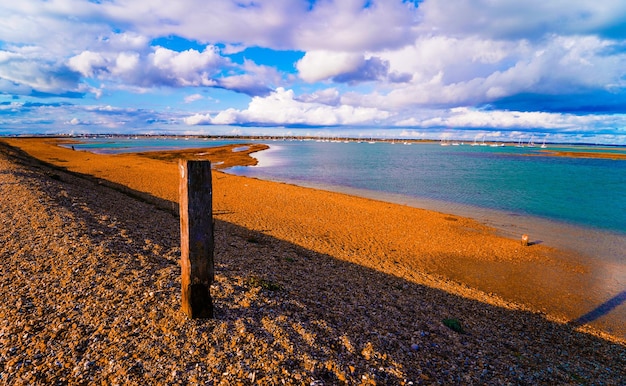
column 583, row 154
column 592, row 151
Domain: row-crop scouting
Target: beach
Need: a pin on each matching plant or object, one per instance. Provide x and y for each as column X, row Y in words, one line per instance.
column 310, row 285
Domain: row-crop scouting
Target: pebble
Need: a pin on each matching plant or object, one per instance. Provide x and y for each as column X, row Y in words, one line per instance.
column 121, row 333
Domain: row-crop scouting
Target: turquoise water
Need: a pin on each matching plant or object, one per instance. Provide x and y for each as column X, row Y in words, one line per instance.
column 586, row 192
column 114, row 145
column 578, row 191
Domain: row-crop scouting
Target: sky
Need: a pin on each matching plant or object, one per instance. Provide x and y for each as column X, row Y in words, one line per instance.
column 500, row 70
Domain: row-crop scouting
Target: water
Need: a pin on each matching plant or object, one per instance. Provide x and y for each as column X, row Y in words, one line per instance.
column 578, row 203
column 115, row 145
column 576, row 191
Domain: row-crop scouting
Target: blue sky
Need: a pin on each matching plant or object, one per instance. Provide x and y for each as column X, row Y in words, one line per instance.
column 508, row 70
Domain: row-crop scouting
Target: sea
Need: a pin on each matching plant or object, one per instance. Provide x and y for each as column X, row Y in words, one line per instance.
column 564, row 201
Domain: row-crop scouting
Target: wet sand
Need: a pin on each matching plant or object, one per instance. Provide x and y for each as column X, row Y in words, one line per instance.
column 583, row 154
column 311, row 286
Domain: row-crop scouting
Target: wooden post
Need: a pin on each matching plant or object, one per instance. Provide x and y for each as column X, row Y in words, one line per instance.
column 524, row 240
column 196, row 237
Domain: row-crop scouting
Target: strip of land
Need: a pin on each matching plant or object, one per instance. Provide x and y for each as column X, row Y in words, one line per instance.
column 310, row 285
column 583, row 154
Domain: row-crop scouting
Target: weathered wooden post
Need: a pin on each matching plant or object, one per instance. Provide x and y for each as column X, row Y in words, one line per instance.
column 525, row 240
column 196, row 237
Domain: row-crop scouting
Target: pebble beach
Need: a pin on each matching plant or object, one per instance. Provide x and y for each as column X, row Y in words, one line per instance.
column 311, row 287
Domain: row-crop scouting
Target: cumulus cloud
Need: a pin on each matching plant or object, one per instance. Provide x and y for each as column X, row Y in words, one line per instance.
column 20, row 74
column 166, row 67
column 511, row 121
column 198, row 119
column 531, row 19
column 469, row 71
column 187, row 68
column 256, row 80
column 329, row 96
column 162, row 66
column 284, row 24
column 88, row 63
column 341, row 67
column 323, row 65
column 282, row 108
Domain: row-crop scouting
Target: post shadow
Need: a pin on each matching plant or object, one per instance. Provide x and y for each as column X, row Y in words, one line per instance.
column 601, row 310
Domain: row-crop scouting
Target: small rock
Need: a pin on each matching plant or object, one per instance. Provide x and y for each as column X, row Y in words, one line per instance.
column 415, row 347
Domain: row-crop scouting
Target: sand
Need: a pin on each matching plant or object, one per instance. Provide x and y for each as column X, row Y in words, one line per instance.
column 310, row 286
column 606, row 154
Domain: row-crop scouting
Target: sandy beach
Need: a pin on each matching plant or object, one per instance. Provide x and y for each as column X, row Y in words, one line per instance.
column 311, row 286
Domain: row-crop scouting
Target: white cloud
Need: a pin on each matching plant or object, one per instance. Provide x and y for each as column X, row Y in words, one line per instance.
column 162, row 66
column 189, row 67
column 346, row 26
column 458, row 72
column 87, row 63
column 282, row 108
column 255, row 81
column 125, row 63
column 198, row 119
column 21, row 74
column 465, row 117
column 335, row 25
column 323, row 65
column 193, row 97
column 341, row 67
column 329, row 96
column 529, row 19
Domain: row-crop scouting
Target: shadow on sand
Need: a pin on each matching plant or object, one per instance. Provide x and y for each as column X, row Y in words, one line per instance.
column 326, row 319
column 602, row 310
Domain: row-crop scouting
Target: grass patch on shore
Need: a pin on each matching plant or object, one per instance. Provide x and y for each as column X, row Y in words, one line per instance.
column 454, row 325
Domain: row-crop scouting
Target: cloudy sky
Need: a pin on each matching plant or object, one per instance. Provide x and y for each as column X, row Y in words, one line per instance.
column 505, row 69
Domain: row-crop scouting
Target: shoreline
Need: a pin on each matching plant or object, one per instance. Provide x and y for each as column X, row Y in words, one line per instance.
column 561, row 235
column 304, row 292
column 549, row 280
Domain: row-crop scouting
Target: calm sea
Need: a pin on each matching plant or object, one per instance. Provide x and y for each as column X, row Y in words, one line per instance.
column 505, row 186
column 580, row 191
